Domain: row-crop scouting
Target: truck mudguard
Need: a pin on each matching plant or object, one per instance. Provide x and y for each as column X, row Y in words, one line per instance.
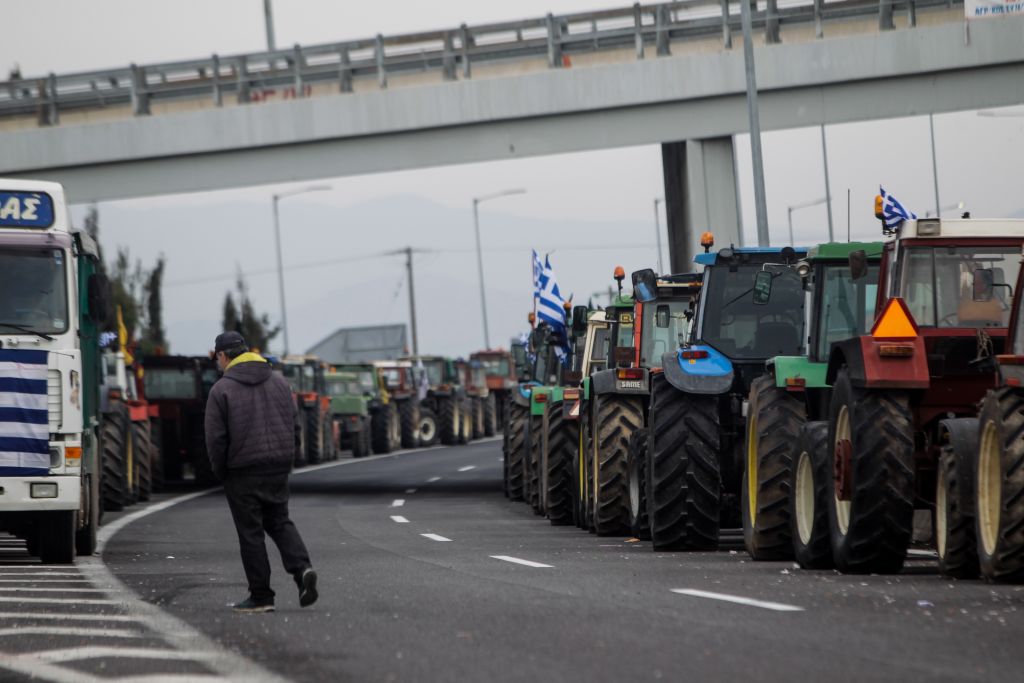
column 711, row 374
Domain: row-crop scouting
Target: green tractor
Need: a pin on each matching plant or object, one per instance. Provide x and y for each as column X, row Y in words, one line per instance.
column 786, row 443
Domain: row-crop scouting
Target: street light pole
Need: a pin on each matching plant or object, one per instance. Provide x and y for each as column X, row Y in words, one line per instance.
column 480, row 255
column 268, row 18
column 760, row 205
column 657, row 232
column 828, row 191
column 280, row 266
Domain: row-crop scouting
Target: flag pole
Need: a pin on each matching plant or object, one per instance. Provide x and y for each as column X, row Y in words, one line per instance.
column 533, row 259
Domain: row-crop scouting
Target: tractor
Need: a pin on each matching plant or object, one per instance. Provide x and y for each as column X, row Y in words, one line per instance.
column 305, row 374
column 500, row 370
column 355, row 400
column 479, row 397
column 696, row 415
column 445, row 398
column 787, row 413
column 900, row 434
column 399, row 413
column 130, row 454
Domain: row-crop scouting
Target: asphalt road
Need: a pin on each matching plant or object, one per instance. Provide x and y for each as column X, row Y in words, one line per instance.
column 412, row 588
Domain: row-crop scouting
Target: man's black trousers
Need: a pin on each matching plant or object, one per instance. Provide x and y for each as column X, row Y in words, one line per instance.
column 259, row 503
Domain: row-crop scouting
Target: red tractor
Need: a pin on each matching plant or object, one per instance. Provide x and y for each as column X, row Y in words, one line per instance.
column 500, row 370
column 305, row 374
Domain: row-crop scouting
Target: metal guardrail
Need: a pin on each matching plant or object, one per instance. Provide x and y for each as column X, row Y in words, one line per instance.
column 253, row 77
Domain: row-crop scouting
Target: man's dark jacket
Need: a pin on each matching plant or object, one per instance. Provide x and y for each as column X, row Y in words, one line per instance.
column 250, row 420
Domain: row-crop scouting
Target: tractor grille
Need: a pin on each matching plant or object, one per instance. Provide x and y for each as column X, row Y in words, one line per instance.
column 54, row 399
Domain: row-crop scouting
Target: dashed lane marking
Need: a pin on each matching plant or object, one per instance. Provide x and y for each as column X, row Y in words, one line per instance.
column 435, row 537
column 739, row 600
column 410, row 490
column 525, row 563
column 399, row 519
column 467, row 468
column 398, row 502
column 433, row 479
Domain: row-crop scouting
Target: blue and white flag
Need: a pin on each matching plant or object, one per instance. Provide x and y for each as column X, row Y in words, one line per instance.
column 24, row 420
column 550, row 307
column 893, row 213
column 538, row 270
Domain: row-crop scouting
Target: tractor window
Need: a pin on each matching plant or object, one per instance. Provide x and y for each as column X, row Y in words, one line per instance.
column 847, row 307
column 293, row 373
column 741, row 329
column 495, row 367
column 664, row 329
column 170, row 383
column 435, row 372
column 599, row 354
column 938, row 284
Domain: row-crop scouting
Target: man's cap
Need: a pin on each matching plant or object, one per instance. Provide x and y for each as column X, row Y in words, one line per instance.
column 228, row 340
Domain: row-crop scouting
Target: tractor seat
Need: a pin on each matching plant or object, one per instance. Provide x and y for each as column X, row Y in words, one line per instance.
column 775, row 339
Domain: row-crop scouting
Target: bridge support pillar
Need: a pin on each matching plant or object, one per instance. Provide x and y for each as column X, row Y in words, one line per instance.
column 701, row 194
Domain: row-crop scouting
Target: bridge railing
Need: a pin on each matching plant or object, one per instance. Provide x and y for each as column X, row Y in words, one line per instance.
column 452, row 53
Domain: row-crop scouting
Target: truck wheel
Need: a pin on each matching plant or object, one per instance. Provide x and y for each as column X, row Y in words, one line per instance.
column 448, row 421
column 516, row 449
column 871, row 509
column 533, row 471
column 142, row 449
column 563, row 437
column 156, row 455
column 409, row 416
column 315, row 446
column 380, row 430
column 114, row 437
column 954, row 513
column 811, row 485
column 85, row 538
column 490, row 415
column 617, row 418
column 428, row 432
column 774, row 419
column 1000, row 486
column 638, row 521
column 684, row 482
column 57, row 537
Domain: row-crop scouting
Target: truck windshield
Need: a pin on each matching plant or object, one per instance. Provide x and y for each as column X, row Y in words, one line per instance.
column 847, row 306
column 937, row 284
column 170, row 383
column 664, row 329
column 741, row 329
column 33, row 290
column 495, row 367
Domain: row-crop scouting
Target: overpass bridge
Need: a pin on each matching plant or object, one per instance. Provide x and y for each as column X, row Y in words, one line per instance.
column 647, row 74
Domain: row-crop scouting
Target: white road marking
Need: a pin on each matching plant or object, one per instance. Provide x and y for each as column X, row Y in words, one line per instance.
column 467, row 468
column 435, row 537
column 26, row 589
column 44, row 581
column 72, row 654
column 517, row 560
column 71, row 617
column 433, row 479
column 410, row 490
column 398, row 502
column 70, row 631
column 399, row 519
column 776, row 606
column 62, row 601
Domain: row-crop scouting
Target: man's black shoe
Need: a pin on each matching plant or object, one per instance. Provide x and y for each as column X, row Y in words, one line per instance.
column 250, row 605
column 307, row 588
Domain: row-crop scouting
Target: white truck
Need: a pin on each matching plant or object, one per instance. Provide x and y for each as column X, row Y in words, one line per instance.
column 51, row 299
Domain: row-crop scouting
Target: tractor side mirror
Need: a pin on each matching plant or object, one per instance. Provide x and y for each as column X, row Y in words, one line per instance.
column 579, row 318
column 984, row 283
column 762, row 287
column 645, row 285
column 858, row 261
column 98, row 294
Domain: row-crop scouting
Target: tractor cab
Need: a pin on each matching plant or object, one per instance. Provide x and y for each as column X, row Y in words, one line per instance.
column 665, row 307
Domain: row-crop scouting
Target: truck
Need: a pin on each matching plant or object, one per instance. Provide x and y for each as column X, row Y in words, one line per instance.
column 784, row 514
column 696, row 414
column 53, row 297
column 176, row 389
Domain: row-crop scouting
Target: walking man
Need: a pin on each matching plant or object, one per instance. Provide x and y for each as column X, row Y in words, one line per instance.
column 251, row 438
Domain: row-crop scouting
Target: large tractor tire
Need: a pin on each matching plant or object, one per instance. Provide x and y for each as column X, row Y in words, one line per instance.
column 396, row 426
column 114, row 441
column 871, row 514
column 563, row 440
column 465, row 420
column 954, row 512
column 429, row 432
column 617, row 418
column 516, row 453
column 684, row 481
column 316, row 449
column 56, row 537
column 774, row 419
column 1000, row 486
column 478, row 417
column 142, row 449
column 579, row 476
column 380, row 430
column 156, row 455
column 361, row 439
column 534, row 464
column 330, row 444
column 639, row 523
column 448, row 420
column 490, row 415
column 812, row 484
column 409, row 417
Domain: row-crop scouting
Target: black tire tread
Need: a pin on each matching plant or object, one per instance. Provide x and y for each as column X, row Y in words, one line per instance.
column 617, row 418
column 516, row 449
column 817, row 552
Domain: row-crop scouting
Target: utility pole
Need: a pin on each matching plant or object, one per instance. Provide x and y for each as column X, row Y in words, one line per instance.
column 412, row 301
column 755, row 127
column 657, row 233
column 828, row 190
column 268, row 16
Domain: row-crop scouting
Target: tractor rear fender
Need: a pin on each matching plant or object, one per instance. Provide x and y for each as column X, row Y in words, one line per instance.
column 869, row 364
column 521, row 396
column 710, row 375
column 609, row 382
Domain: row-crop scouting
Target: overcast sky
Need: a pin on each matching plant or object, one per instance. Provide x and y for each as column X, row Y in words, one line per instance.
column 602, row 199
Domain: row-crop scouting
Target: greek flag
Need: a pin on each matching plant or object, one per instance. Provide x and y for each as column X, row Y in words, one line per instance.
column 24, row 420
column 893, row 213
column 549, row 308
column 538, row 270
